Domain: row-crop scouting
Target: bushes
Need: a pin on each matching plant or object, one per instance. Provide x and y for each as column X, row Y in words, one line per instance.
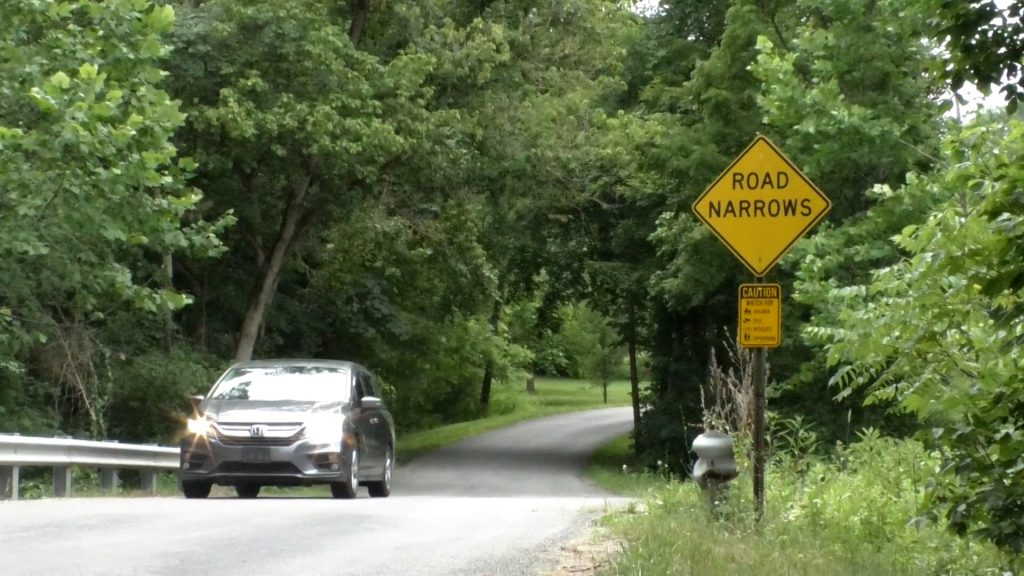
column 149, row 399
column 856, row 513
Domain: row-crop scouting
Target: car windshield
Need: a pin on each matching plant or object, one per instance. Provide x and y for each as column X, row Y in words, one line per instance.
column 276, row 383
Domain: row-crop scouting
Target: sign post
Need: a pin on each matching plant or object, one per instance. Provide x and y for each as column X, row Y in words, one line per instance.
column 759, row 207
column 760, row 407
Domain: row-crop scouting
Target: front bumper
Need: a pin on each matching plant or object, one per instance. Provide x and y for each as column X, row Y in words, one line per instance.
column 299, row 463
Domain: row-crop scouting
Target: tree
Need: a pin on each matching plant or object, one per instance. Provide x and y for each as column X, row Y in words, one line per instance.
column 938, row 331
column 707, row 120
column 540, row 142
column 94, row 193
column 852, row 95
column 291, row 122
column 985, row 40
column 594, row 345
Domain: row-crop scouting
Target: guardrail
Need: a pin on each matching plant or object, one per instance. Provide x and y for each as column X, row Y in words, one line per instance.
column 63, row 453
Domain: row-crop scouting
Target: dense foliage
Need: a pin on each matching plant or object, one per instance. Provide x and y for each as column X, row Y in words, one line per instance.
column 939, row 330
column 460, row 194
column 94, row 200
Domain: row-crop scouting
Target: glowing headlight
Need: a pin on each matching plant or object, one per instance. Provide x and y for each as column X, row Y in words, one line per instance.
column 199, row 426
column 325, row 427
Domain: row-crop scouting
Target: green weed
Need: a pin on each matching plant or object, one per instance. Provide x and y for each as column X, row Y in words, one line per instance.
column 856, row 513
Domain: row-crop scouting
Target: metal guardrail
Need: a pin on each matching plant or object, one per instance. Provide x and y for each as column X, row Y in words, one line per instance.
column 63, row 453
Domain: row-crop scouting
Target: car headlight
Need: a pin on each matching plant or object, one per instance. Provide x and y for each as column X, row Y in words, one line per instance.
column 199, row 426
column 325, row 427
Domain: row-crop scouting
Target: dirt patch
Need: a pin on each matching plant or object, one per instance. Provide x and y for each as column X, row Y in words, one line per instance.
column 587, row 554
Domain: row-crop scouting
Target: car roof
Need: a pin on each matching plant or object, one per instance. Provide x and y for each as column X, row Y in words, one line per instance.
column 272, row 362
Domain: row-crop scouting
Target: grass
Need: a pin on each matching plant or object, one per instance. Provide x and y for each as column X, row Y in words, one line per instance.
column 616, row 468
column 37, row 482
column 853, row 514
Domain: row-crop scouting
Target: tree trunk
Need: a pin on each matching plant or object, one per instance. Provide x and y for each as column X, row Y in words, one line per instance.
column 485, row 388
column 260, row 302
column 169, row 282
column 634, row 386
column 604, row 390
column 531, row 385
column 360, row 13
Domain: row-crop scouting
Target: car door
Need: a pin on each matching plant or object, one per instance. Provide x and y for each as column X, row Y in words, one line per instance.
column 380, row 420
column 366, row 426
column 376, row 422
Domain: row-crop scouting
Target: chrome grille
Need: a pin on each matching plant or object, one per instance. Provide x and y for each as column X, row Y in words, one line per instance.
column 239, row 433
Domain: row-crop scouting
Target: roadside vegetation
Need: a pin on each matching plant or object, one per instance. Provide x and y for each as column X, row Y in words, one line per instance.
column 861, row 511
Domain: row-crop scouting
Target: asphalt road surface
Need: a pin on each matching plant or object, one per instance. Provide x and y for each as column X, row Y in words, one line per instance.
column 494, row 505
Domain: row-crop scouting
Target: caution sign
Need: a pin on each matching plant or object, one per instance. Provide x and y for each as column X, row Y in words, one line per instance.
column 760, row 315
column 761, row 205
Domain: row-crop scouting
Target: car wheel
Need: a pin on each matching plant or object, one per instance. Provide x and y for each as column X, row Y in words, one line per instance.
column 247, row 490
column 196, row 489
column 348, row 488
column 382, row 488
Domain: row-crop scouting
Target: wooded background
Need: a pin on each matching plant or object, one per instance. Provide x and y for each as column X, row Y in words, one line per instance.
column 457, row 193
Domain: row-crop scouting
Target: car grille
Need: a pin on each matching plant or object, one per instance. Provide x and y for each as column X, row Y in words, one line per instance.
column 257, row 468
column 238, row 434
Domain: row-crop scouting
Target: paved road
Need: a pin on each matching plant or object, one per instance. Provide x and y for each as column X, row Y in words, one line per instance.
column 491, row 505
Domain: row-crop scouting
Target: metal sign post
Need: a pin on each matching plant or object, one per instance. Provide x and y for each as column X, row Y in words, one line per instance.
column 760, row 407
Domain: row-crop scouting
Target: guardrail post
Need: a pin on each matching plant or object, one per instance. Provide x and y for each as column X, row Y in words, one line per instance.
column 9, row 479
column 149, row 481
column 109, row 480
column 62, row 481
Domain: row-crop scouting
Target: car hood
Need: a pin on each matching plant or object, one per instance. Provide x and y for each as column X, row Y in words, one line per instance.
column 276, row 412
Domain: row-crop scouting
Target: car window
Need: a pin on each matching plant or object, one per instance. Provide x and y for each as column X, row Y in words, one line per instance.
column 276, row 383
column 371, row 385
column 360, row 386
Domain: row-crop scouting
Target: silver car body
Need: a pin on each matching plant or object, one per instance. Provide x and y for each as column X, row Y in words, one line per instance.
column 290, row 422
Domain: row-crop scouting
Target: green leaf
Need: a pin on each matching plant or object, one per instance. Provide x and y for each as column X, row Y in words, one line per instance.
column 60, row 80
column 87, row 71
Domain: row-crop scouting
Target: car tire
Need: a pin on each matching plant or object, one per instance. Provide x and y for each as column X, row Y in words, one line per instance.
column 196, row 489
column 382, row 487
column 247, row 490
column 348, row 488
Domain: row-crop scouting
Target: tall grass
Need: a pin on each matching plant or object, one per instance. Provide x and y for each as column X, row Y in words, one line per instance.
column 853, row 514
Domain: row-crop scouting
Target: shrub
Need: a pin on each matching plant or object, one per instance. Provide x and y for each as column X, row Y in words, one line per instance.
column 856, row 513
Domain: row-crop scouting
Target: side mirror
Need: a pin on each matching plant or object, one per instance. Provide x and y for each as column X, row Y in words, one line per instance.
column 195, row 401
column 371, row 403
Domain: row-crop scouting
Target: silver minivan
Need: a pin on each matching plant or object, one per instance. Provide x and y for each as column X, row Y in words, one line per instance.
column 290, row 423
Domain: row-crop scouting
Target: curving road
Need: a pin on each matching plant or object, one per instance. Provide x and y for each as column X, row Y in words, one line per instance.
column 487, row 506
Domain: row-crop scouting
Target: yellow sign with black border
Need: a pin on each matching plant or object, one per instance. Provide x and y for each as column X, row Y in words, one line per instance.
column 761, row 205
column 760, row 324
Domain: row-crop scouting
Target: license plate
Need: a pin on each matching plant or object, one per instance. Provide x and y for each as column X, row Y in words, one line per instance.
column 255, row 455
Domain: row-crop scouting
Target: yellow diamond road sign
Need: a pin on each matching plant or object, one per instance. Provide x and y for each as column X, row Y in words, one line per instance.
column 761, row 205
